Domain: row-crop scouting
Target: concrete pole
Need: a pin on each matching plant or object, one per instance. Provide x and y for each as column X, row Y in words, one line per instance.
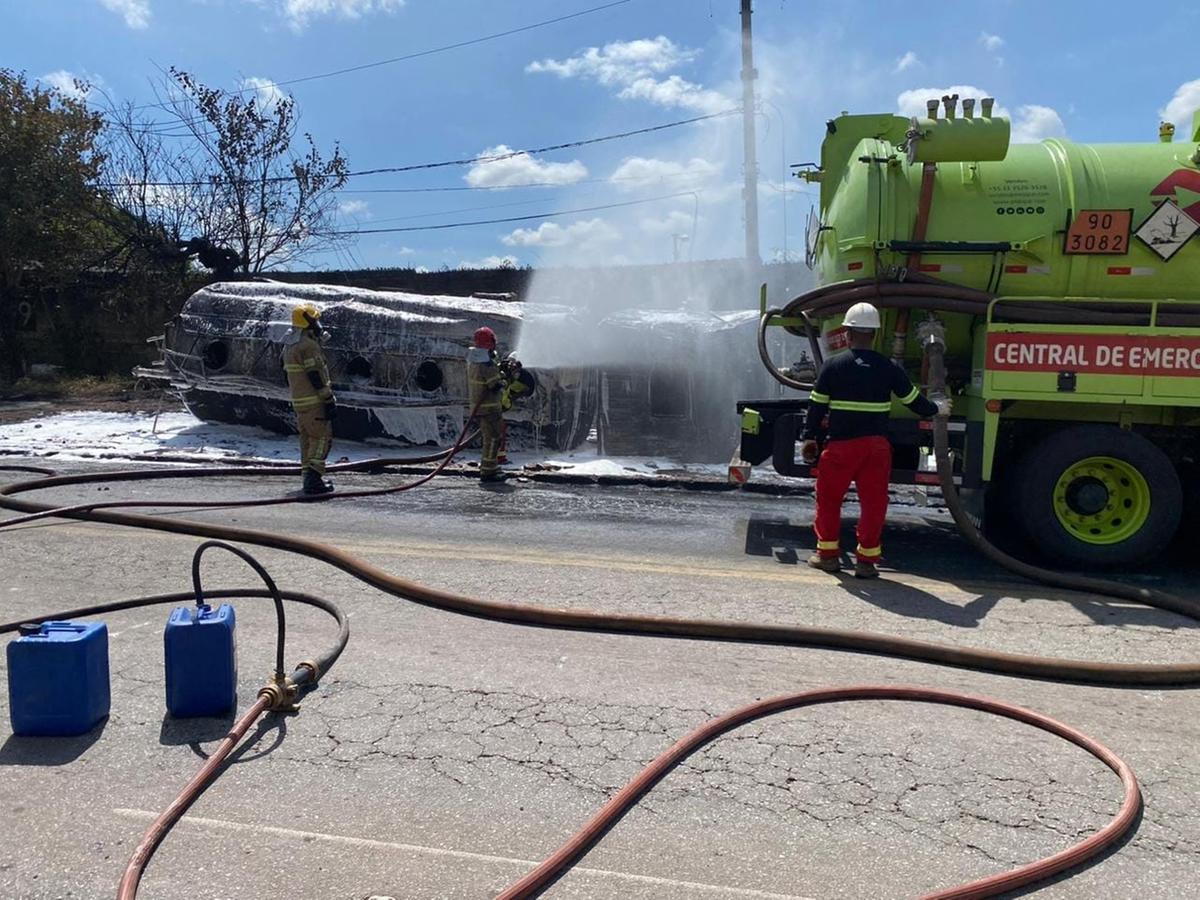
column 750, row 151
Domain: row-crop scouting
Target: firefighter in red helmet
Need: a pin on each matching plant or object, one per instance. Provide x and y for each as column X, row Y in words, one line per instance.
column 485, row 385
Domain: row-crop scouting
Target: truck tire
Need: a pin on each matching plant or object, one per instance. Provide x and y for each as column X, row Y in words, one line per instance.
column 1096, row 496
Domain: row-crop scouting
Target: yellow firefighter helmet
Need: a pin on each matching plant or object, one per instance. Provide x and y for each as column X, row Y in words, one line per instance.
column 305, row 316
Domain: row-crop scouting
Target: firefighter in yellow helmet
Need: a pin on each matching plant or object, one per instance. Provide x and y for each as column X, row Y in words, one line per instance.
column 485, row 385
column 312, row 395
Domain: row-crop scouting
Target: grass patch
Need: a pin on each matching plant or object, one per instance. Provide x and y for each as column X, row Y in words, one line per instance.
column 70, row 387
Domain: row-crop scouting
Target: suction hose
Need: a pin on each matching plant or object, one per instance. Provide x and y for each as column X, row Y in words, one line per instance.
column 1021, row 665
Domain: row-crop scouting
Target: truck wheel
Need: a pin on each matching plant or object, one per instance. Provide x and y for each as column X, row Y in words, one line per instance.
column 1097, row 496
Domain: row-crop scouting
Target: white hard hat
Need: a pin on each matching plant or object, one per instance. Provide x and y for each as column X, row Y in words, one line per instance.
column 861, row 315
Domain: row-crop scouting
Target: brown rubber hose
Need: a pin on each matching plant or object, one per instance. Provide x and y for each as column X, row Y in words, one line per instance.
column 1118, row 674
column 586, row 837
column 158, row 830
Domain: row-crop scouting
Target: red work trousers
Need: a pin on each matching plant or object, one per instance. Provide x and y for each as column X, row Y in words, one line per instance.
column 866, row 461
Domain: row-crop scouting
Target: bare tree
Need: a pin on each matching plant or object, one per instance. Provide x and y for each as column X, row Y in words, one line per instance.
column 154, row 186
column 221, row 174
column 270, row 201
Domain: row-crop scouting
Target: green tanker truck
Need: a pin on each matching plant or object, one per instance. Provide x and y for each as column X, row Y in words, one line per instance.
column 1066, row 284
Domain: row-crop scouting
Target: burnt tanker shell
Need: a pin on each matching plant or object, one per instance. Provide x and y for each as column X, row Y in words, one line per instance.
column 396, row 360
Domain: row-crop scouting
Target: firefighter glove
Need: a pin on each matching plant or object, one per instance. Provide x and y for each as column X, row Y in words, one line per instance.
column 944, row 406
column 809, row 452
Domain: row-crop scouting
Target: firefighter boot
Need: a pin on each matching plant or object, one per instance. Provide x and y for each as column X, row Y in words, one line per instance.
column 825, row 563
column 315, row 484
column 864, row 569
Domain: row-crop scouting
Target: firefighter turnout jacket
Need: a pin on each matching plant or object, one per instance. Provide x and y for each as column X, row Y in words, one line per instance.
column 855, row 391
column 307, row 374
column 484, row 381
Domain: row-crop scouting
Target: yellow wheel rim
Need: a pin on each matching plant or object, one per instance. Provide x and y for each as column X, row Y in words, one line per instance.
column 1102, row 500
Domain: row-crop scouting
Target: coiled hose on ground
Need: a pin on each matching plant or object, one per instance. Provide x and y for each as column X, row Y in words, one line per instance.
column 1123, row 675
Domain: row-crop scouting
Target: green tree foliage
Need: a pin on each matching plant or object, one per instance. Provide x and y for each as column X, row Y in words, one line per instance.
column 49, row 231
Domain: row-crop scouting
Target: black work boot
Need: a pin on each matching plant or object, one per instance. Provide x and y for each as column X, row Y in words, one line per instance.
column 825, row 563
column 864, row 569
column 315, row 484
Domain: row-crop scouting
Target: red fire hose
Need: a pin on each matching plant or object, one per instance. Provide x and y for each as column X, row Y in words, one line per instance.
column 579, row 843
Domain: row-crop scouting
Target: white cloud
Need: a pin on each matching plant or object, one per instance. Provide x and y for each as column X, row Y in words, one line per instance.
column 992, row 44
column 135, row 12
column 267, row 92
column 406, row 251
column 300, row 12
column 1036, row 123
column 638, row 171
column 621, row 62
column 520, row 169
column 551, row 234
column 354, row 207
column 636, row 68
column 906, row 62
column 1032, row 123
column 491, row 262
column 1185, row 102
column 64, row 82
column 676, row 92
column 674, row 222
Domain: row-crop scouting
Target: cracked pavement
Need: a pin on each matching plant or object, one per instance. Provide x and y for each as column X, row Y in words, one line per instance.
column 443, row 757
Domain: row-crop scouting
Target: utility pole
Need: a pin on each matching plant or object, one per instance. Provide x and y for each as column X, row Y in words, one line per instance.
column 750, row 152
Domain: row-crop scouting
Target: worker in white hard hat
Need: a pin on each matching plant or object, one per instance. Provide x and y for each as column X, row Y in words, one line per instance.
column 851, row 403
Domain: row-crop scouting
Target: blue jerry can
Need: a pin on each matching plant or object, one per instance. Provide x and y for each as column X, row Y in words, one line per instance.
column 58, row 678
column 200, row 649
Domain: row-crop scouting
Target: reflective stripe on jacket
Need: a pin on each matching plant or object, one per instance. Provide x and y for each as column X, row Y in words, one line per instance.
column 484, row 381
column 299, row 359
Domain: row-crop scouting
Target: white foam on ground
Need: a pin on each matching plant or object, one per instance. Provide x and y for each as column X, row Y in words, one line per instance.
column 123, row 436
column 111, row 435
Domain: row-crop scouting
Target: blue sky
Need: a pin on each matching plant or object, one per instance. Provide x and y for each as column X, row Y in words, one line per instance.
column 1061, row 69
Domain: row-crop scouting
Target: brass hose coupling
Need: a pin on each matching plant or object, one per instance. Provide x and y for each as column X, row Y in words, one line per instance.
column 281, row 693
column 314, row 670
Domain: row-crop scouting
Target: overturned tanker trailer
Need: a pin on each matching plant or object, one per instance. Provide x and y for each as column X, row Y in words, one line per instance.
column 396, row 360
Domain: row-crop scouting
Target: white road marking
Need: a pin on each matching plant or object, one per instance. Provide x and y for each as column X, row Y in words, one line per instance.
column 237, row 827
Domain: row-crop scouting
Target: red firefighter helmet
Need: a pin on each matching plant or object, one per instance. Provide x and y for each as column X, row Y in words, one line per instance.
column 485, row 338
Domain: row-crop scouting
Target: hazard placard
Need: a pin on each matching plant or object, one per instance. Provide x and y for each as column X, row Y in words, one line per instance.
column 1167, row 229
column 1099, row 231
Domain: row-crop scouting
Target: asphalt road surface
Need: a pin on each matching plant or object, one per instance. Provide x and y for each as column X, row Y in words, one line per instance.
column 443, row 756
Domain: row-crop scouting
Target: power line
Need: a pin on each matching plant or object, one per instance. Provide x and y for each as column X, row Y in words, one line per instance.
column 546, row 215
column 390, row 170
column 449, row 212
column 457, row 45
column 474, row 160
column 439, row 189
